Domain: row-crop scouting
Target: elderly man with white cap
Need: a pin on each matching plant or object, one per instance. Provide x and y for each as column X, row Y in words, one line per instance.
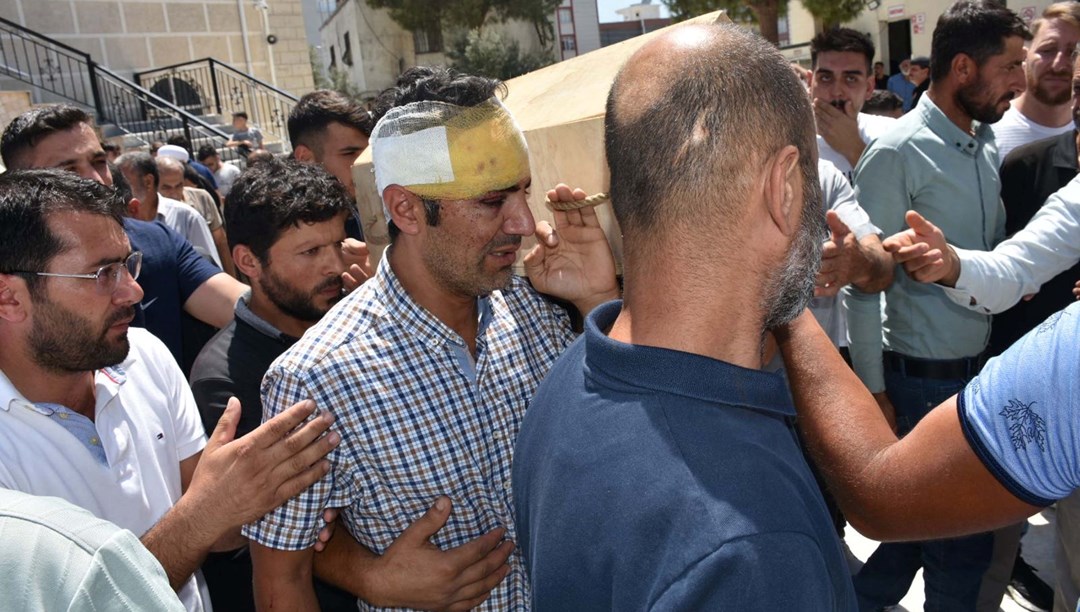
column 430, row 365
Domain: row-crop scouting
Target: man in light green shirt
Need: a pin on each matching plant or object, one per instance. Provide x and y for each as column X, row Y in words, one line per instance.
column 939, row 160
column 57, row 556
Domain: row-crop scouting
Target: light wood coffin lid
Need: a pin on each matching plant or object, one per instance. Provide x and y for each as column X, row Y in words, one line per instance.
column 560, row 108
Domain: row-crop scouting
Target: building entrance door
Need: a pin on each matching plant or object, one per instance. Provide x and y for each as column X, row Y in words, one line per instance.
column 899, row 43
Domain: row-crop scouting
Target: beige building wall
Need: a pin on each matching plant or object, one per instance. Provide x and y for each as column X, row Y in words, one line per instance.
column 131, row 35
column 923, row 15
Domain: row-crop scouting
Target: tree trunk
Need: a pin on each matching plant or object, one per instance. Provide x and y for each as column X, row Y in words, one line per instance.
column 767, row 12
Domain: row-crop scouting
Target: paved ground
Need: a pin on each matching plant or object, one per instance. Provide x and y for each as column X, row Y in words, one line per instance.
column 1038, row 551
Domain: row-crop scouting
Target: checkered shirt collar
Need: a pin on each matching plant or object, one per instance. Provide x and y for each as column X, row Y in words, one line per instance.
column 428, row 328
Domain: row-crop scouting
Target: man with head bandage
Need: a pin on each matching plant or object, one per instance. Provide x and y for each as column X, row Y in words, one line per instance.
column 430, row 365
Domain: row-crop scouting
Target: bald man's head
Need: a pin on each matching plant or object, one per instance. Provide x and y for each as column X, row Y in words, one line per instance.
column 170, row 177
column 690, row 118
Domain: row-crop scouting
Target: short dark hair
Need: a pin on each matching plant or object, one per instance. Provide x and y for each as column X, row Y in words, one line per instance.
column 140, row 164
column 181, row 141
column 27, row 199
column 435, row 84
column 121, row 185
column 26, row 130
column 840, row 40
column 206, row 152
column 110, row 147
column 977, row 28
column 882, row 100
column 683, row 156
column 240, row 114
column 276, row 194
column 317, row 110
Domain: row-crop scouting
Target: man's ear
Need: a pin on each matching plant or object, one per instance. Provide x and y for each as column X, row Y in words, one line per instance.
column 149, row 184
column 14, row 298
column 303, row 154
column 964, row 69
column 404, row 208
column 247, row 262
column 133, row 208
column 783, row 185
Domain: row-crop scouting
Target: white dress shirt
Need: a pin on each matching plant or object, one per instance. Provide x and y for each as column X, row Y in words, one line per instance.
column 994, row 281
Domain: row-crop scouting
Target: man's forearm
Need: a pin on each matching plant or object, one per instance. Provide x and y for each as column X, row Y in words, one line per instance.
column 346, row 564
column 180, row 541
column 928, row 485
column 863, row 312
column 854, row 152
column 282, row 579
column 874, row 269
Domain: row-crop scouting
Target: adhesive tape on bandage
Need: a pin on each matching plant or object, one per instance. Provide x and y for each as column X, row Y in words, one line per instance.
column 443, row 151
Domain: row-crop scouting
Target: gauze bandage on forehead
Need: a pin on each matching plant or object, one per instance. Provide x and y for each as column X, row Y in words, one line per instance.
column 442, row 151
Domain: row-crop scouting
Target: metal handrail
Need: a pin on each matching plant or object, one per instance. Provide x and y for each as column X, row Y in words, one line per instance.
column 215, row 87
column 115, row 99
column 145, row 73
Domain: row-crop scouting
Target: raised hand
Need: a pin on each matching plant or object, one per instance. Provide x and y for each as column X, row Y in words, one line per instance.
column 238, row 481
column 923, row 252
column 573, row 260
column 358, row 265
column 836, row 258
column 840, row 128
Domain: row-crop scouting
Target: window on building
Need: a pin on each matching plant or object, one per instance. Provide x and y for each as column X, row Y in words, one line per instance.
column 566, row 16
column 333, row 57
column 346, row 53
column 428, row 40
column 569, row 43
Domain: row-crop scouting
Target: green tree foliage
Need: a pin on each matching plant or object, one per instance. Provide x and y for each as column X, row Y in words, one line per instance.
column 682, row 10
column 470, row 14
column 766, row 12
column 337, row 79
column 834, row 12
column 489, row 54
column 763, row 12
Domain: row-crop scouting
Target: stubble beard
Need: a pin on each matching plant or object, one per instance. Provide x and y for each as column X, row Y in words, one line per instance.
column 791, row 286
column 60, row 341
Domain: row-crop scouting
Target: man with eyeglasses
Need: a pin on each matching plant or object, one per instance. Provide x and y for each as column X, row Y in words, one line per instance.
column 99, row 414
column 177, row 279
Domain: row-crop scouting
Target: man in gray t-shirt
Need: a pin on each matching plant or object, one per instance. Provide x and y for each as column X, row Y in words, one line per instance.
column 245, row 138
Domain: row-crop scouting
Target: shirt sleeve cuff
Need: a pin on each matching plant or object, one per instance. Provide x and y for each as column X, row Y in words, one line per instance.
column 990, row 462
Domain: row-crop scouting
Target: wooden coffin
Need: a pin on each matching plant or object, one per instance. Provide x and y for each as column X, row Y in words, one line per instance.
column 560, row 108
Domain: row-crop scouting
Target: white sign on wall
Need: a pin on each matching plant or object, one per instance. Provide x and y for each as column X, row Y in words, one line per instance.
column 918, row 23
column 896, row 11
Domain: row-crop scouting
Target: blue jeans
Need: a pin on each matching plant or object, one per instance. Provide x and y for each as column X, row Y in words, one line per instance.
column 953, row 568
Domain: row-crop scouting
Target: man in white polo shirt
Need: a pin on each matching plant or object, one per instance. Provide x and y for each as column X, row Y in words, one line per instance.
column 103, row 417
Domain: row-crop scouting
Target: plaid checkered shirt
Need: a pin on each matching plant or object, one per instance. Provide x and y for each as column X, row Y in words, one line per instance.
column 417, row 417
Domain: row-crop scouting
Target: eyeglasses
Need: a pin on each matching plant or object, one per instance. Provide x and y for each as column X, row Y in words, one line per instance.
column 107, row 276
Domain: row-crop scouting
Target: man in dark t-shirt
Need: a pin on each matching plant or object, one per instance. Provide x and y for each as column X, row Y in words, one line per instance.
column 286, row 223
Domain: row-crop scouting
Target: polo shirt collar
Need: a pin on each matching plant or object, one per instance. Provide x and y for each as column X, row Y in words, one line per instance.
column 107, row 383
column 245, row 315
column 411, row 315
column 949, row 132
column 679, row 373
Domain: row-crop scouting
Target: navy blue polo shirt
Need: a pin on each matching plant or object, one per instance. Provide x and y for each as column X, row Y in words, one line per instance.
column 651, row 478
column 171, row 272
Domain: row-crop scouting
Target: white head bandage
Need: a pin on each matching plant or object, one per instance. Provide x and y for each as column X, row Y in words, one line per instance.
column 442, row 151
